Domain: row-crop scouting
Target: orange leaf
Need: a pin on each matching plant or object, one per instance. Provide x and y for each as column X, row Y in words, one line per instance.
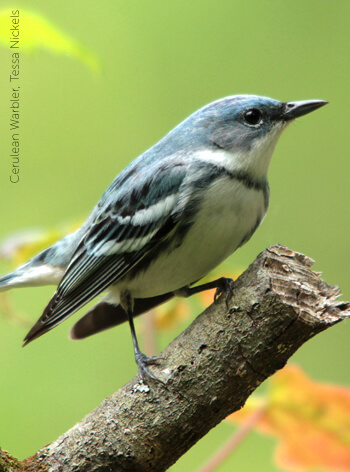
column 311, row 420
column 170, row 315
column 207, row 297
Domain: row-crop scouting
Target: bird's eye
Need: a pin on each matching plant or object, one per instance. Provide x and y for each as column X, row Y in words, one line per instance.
column 252, row 117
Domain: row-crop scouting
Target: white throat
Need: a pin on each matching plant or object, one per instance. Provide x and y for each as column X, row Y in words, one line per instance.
column 255, row 161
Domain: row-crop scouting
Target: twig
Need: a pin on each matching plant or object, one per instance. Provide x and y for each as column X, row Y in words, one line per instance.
column 217, row 362
column 149, row 334
column 234, row 441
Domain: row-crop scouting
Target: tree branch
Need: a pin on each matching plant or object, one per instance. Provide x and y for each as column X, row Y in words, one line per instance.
column 209, row 371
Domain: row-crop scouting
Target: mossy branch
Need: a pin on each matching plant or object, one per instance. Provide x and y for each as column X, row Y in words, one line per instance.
column 209, row 371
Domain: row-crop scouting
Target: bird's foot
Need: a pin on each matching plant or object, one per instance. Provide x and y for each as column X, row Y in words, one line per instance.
column 224, row 285
column 143, row 362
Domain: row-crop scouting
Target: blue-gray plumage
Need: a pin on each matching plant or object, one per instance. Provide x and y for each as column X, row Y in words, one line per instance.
column 167, row 220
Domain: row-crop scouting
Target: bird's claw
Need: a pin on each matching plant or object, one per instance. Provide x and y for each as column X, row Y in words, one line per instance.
column 225, row 286
column 143, row 362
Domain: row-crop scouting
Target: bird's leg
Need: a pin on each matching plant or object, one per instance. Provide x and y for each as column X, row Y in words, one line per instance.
column 142, row 360
column 222, row 285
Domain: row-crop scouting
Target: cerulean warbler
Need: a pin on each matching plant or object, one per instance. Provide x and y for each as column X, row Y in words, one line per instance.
column 167, row 220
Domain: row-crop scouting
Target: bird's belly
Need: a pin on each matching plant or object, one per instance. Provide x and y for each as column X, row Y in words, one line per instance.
column 226, row 218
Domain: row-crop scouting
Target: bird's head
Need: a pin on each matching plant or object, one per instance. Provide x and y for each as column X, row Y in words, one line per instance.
column 242, row 130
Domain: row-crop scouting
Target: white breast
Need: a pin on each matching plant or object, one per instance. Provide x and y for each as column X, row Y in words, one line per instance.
column 228, row 214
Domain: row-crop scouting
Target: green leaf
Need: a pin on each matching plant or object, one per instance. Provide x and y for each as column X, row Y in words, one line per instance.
column 37, row 32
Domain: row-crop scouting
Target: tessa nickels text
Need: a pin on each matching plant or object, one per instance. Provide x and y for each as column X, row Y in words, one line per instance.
column 15, row 95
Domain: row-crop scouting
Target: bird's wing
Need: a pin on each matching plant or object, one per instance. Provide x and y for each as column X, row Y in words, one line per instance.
column 131, row 221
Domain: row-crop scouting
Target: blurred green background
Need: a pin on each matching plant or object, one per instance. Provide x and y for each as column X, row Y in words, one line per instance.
column 160, row 62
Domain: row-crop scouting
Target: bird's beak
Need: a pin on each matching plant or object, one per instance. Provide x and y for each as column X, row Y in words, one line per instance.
column 296, row 109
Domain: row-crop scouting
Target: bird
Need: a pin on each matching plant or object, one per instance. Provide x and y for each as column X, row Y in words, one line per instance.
column 169, row 218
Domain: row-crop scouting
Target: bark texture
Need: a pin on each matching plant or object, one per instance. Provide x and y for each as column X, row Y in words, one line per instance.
column 208, row 371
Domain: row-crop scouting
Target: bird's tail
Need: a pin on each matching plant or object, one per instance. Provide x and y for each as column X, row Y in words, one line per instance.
column 105, row 315
column 8, row 281
column 47, row 268
column 32, row 274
